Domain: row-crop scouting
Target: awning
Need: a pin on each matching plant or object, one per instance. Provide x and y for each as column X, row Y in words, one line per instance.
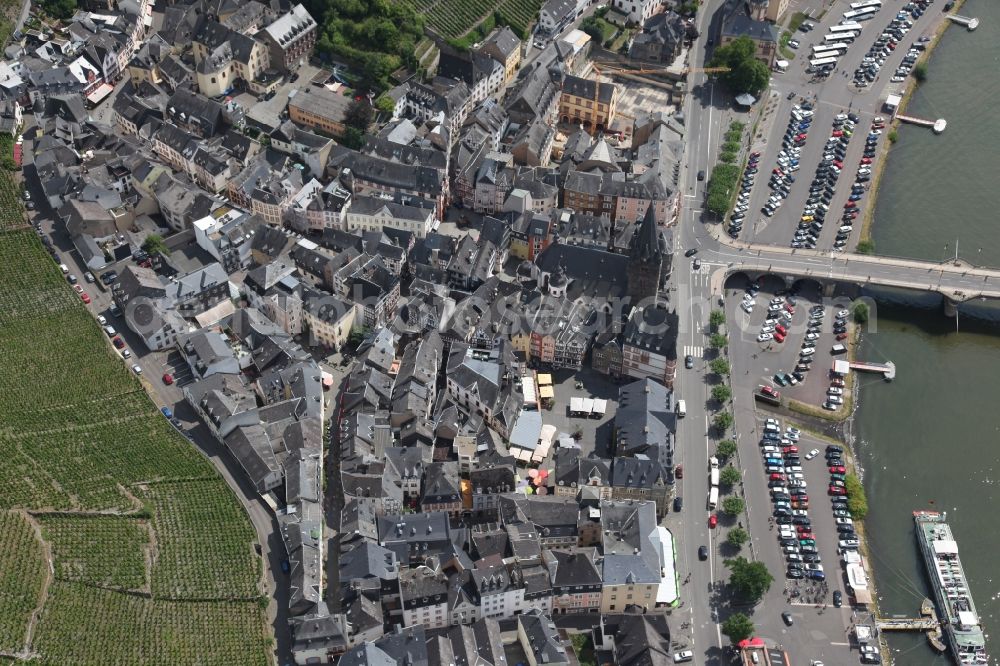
column 546, row 393
column 746, row 99
column 545, row 380
column 102, row 91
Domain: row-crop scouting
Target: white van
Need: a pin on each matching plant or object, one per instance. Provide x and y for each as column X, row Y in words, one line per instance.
column 838, row 349
column 64, row 268
column 681, row 657
column 681, row 408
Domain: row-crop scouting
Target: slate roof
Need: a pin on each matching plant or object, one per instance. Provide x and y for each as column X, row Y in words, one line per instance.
column 653, row 329
column 580, row 87
column 600, row 273
column 645, row 418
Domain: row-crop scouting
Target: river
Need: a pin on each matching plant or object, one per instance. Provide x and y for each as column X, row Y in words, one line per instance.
column 931, row 439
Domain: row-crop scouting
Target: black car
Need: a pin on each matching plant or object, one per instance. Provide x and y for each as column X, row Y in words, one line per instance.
column 701, row 175
column 783, row 520
column 795, row 574
column 678, row 503
column 689, row 361
column 833, row 448
column 789, row 542
column 845, row 529
column 690, row 253
column 787, row 618
column 838, row 599
column 702, row 553
column 801, row 520
column 812, row 558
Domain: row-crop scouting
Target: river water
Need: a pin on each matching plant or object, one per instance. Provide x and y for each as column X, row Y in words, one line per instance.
column 931, row 439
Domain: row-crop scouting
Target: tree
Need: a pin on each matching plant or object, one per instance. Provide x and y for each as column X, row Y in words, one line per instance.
column 746, row 73
column 726, row 448
column 359, row 115
column 751, row 580
column 738, row 537
column 860, row 311
column 154, row 244
column 738, row 627
column 721, row 393
column 716, row 318
column 857, row 503
column 893, row 136
column 866, row 246
column 733, row 505
column 723, row 420
column 717, row 341
column 920, row 72
column 352, row 138
column 385, row 104
column 719, row 366
column 729, row 476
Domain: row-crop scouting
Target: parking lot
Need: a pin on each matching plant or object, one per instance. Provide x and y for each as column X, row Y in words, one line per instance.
column 807, row 523
column 766, row 358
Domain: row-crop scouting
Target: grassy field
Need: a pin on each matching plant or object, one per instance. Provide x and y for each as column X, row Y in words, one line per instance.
column 120, row 500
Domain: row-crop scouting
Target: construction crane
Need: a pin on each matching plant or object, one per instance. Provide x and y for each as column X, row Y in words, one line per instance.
column 660, row 70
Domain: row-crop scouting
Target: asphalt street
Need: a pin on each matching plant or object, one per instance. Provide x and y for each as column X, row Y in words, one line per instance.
column 818, row 632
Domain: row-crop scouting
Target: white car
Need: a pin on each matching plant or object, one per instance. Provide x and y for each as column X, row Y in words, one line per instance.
column 835, row 400
column 767, row 329
column 777, row 301
column 844, row 521
column 764, row 337
column 747, row 307
column 842, row 314
column 796, row 483
column 101, row 320
column 811, row 336
column 793, row 44
column 792, row 437
column 812, row 454
column 807, row 351
column 137, row 369
column 835, row 390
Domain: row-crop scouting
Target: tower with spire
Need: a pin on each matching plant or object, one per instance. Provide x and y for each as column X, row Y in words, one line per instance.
column 649, row 259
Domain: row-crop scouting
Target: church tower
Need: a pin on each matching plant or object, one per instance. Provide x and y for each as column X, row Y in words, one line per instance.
column 648, row 259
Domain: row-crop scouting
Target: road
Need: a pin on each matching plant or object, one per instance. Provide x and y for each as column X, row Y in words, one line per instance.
column 818, row 633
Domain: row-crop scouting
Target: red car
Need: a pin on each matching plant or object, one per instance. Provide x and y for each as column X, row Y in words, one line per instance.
column 168, row 378
column 781, row 329
column 836, row 490
column 866, row 160
column 790, row 308
column 777, row 172
column 803, row 498
column 790, row 449
column 117, row 342
column 777, row 477
column 755, row 154
column 851, row 204
column 801, row 137
column 841, row 336
column 837, row 134
column 838, row 469
column 838, row 164
column 713, row 521
column 853, row 214
column 779, row 337
column 839, row 383
column 85, row 298
column 806, row 535
column 767, row 390
column 678, row 471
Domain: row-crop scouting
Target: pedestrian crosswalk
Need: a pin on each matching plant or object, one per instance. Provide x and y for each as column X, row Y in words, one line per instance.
column 697, row 352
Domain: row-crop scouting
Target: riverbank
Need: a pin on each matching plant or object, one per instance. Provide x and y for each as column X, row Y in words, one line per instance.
column 938, row 32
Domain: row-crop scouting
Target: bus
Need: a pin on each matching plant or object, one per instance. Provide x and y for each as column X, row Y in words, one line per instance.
column 847, row 26
column 866, row 4
column 826, row 50
column 819, row 63
column 713, row 498
column 861, row 14
column 842, row 38
column 715, row 476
